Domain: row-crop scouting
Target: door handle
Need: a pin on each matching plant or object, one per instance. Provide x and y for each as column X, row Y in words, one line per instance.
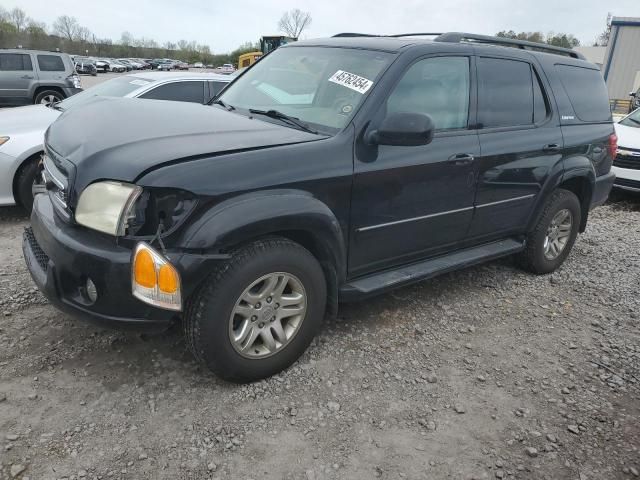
column 27, row 77
column 461, row 159
column 551, row 148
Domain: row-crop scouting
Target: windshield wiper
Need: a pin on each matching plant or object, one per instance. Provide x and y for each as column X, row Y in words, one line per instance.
column 223, row 104
column 295, row 121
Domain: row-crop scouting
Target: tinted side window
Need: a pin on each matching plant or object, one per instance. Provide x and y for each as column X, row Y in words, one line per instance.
column 587, row 92
column 15, row 62
column 50, row 63
column 505, row 93
column 178, row 91
column 438, row 87
column 216, row 87
column 540, row 105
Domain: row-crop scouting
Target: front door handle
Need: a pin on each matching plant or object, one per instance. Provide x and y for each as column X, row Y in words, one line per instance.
column 551, row 148
column 27, row 77
column 461, row 159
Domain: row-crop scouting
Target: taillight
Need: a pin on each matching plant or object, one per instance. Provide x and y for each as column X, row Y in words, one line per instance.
column 613, row 145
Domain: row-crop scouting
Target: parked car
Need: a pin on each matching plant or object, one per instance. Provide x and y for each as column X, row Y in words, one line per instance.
column 85, row 66
column 33, row 76
column 635, row 100
column 627, row 162
column 198, row 65
column 22, row 129
column 167, row 66
column 333, row 169
column 101, row 65
column 181, row 66
column 227, row 68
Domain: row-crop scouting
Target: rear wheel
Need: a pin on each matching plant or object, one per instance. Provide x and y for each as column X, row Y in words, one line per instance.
column 258, row 312
column 552, row 239
column 48, row 97
column 25, row 179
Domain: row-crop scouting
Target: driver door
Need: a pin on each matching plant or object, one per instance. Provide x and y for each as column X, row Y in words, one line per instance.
column 412, row 202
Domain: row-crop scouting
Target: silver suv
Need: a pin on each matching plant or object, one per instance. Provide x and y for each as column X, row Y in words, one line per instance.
column 34, row 76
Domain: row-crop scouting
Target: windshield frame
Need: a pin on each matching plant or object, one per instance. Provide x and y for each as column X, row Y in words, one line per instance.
column 79, row 98
column 320, row 128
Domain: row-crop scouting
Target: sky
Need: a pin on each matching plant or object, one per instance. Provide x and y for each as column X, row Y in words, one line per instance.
column 224, row 25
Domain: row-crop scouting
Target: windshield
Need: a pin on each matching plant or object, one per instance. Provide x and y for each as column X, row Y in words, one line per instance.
column 116, row 87
column 632, row 120
column 321, row 86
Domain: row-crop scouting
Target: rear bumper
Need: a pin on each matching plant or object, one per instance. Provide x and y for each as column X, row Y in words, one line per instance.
column 61, row 257
column 602, row 188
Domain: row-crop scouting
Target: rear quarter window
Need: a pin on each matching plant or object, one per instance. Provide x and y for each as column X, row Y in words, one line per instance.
column 587, row 92
column 50, row 63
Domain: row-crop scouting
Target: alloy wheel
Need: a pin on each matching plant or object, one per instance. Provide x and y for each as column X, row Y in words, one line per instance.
column 558, row 234
column 267, row 315
column 49, row 100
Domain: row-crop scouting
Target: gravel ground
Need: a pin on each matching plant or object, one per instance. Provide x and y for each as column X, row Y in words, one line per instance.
column 484, row 373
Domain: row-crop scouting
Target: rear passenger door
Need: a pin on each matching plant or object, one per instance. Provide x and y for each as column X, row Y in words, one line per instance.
column 191, row 91
column 520, row 142
column 16, row 77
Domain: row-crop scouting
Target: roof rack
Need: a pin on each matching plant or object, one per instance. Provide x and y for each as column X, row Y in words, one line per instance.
column 457, row 37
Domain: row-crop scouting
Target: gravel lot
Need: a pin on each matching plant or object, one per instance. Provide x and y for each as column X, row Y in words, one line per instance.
column 484, row 373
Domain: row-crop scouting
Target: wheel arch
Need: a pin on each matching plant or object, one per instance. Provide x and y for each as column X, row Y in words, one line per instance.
column 42, row 88
column 297, row 216
column 20, row 165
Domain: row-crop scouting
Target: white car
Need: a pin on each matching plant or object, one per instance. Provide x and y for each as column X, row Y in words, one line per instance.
column 22, row 129
column 198, row 65
column 627, row 162
column 227, row 68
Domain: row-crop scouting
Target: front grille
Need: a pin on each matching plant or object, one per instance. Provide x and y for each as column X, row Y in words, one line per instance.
column 627, row 158
column 624, row 182
column 41, row 257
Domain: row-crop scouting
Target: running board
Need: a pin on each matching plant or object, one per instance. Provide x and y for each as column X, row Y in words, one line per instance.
column 389, row 279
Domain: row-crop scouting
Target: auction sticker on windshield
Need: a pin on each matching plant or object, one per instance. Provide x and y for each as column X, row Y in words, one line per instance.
column 352, row 81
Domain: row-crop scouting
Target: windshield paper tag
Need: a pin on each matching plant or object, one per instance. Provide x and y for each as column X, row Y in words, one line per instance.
column 352, row 81
column 138, row 82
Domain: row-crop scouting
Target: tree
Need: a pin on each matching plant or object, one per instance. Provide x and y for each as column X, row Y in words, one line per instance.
column 565, row 40
column 294, row 22
column 602, row 40
column 67, row 27
column 18, row 18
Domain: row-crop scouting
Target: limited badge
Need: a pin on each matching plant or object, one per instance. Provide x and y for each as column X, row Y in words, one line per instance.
column 352, row 81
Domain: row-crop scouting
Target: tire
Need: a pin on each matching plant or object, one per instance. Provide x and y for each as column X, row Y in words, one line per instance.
column 540, row 256
column 25, row 178
column 209, row 317
column 48, row 96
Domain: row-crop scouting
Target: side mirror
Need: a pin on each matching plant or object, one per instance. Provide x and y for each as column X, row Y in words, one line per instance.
column 404, row 130
column 632, row 94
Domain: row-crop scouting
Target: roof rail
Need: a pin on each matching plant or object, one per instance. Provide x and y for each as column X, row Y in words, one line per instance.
column 398, row 35
column 351, row 34
column 457, row 37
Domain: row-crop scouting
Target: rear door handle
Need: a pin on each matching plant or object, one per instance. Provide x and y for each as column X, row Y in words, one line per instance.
column 461, row 159
column 551, row 148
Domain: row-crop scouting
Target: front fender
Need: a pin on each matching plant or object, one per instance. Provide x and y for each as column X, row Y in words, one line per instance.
column 290, row 213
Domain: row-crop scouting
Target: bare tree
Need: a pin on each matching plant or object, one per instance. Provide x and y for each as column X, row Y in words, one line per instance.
column 18, row 18
column 294, row 22
column 603, row 39
column 67, row 27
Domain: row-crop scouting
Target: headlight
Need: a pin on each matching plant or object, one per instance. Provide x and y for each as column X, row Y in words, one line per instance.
column 105, row 206
column 3, row 140
column 154, row 280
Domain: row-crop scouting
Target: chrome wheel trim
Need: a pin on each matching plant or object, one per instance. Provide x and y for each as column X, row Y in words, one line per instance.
column 268, row 315
column 558, row 234
column 48, row 100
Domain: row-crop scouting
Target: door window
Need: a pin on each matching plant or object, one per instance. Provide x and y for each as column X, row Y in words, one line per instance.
column 438, row 87
column 15, row 62
column 178, row 92
column 50, row 63
column 505, row 93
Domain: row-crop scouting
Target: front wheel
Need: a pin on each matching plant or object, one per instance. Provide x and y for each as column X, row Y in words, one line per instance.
column 258, row 312
column 552, row 239
column 24, row 182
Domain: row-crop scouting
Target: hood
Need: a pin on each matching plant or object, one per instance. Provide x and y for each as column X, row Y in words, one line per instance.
column 628, row 137
column 14, row 121
column 122, row 138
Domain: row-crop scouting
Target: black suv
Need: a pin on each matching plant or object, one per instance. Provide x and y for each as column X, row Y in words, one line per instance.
column 330, row 170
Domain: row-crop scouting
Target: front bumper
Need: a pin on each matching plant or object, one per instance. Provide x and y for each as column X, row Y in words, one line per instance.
column 627, row 179
column 602, row 188
column 61, row 257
